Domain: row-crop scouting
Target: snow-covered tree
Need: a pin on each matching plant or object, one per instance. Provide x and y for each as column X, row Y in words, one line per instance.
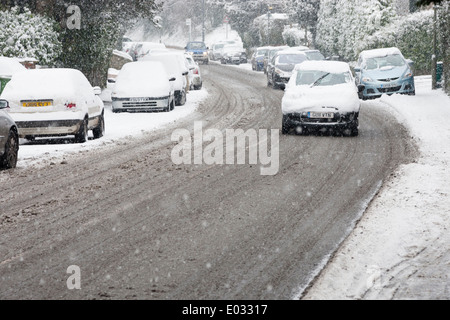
column 24, row 34
column 304, row 13
column 343, row 24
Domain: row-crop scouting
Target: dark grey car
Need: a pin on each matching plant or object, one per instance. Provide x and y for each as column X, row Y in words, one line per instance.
column 9, row 138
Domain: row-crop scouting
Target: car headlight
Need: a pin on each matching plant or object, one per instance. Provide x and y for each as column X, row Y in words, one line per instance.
column 366, row 79
column 408, row 75
column 205, row 53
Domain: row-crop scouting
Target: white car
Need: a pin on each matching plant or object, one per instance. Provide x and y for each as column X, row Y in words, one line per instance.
column 175, row 65
column 9, row 138
column 55, row 102
column 195, row 77
column 321, row 95
column 143, row 86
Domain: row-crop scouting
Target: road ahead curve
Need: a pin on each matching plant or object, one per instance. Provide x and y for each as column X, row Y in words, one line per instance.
column 140, row 227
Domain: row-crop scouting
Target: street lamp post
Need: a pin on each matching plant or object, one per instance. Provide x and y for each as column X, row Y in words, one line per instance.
column 268, row 25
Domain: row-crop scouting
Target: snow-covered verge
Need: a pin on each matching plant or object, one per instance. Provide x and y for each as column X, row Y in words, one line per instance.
column 400, row 248
column 118, row 126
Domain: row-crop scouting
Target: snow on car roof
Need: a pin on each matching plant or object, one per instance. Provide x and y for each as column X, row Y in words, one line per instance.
column 10, row 66
column 381, row 52
column 325, row 66
column 134, row 80
column 49, row 83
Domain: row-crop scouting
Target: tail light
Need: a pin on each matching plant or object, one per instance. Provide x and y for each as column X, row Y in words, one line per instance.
column 71, row 105
column 196, row 71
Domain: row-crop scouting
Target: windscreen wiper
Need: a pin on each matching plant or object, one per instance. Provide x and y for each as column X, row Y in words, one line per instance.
column 315, row 83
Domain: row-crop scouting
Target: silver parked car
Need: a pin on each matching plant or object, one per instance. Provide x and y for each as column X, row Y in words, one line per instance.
column 9, row 138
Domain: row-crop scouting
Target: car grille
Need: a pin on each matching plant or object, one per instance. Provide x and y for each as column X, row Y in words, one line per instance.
column 388, row 79
column 387, row 90
column 143, row 104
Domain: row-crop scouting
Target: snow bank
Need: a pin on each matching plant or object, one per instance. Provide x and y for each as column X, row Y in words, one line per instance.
column 400, row 248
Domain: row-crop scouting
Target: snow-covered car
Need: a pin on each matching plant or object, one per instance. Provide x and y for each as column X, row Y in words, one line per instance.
column 195, row 76
column 55, row 102
column 143, row 86
column 9, row 138
column 314, row 55
column 257, row 58
column 384, row 71
column 175, row 65
column 8, row 67
column 279, row 69
column 138, row 50
column 215, row 51
column 233, row 54
column 321, row 95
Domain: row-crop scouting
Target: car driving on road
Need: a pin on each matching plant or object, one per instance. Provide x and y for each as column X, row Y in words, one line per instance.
column 384, row 71
column 55, row 102
column 233, row 54
column 136, row 91
column 9, row 138
column 321, row 95
column 198, row 50
column 279, row 69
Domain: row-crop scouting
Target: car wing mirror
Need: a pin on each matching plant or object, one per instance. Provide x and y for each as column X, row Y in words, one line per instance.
column 110, row 80
column 97, row 90
column 357, row 69
column 4, row 104
column 172, row 79
column 185, row 73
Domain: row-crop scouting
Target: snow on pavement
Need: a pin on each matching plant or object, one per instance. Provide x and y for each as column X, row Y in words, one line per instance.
column 400, row 248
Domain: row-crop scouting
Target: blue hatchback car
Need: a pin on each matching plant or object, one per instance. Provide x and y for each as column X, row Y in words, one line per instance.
column 384, row 71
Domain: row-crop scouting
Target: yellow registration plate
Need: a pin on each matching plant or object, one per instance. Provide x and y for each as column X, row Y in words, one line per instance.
column 37, row 103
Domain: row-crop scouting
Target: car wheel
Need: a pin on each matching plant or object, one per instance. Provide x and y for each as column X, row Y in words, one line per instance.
column 274, row 84
column 285, row 125
column 9, row 158
column 99, row 131
column 198, row 87
column 82, row 135
column 181, row 99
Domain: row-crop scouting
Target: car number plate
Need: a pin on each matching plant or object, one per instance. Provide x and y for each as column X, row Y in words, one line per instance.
column 321, row 115
column 45, row 103
column 388, row 85
column 139, row 99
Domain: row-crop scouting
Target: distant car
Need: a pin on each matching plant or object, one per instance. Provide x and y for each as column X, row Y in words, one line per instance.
column 215, row 52
column 55, row 102
column 279, row 69
column 233, row 54
column 175, row 65
column 9, row 138
column 384, row 71
column 198, row 50
column 136, row 91
column 314, row 55
column 321, row 95
column 195, row 76
column 269, row 55
column 257, row 58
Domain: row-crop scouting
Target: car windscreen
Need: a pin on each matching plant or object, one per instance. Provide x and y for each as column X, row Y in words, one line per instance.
column 197, row 46
column 291, row 58
column 261, row 52
column 393, row 60
column 315, row 55
column 321, row 78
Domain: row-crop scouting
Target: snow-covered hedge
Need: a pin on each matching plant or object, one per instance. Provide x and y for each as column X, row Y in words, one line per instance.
column 293, row 36
column 412, row 34
column 24, row 34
